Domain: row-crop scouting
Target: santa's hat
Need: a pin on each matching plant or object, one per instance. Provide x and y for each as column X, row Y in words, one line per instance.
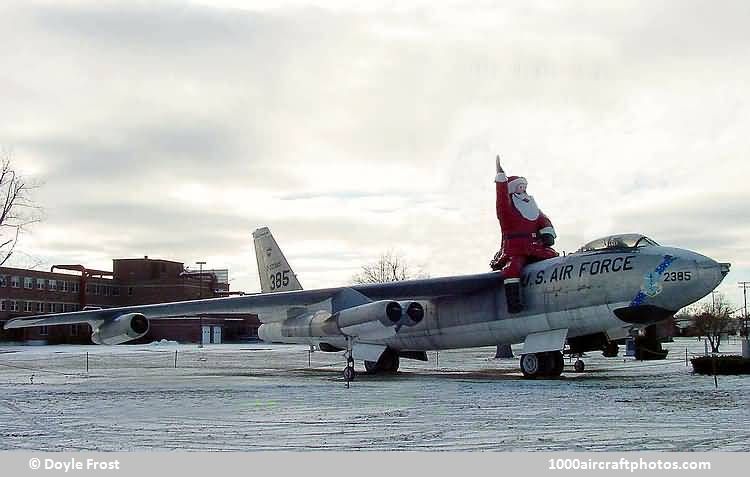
column 514, row 182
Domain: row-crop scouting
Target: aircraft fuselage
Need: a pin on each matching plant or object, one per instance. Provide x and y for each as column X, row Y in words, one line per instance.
column 583, row 293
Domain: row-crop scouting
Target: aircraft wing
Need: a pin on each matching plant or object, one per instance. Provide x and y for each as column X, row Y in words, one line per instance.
column 274, row 306
column 241, row 304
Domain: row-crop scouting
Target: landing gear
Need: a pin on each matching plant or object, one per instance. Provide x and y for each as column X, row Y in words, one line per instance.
column 542, row 365
column 530, row 365
column 349, row 373
column 610, row 350
column 556, row 363
column 387, row 364
column 648, row 347
column 579, row 366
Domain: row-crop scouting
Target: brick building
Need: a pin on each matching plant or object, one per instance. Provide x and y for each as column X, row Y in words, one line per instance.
column 132, row 282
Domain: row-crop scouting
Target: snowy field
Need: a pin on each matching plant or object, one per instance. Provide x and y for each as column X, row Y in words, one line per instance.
column 265, row 397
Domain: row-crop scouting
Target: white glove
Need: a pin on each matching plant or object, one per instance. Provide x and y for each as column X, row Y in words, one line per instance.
column 500, row 176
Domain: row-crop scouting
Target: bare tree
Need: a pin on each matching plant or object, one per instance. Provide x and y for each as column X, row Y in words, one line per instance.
column 390, row 267
column 713, row 320
column 18, row 209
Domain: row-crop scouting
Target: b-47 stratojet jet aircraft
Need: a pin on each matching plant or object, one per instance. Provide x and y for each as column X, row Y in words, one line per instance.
column 586, row 300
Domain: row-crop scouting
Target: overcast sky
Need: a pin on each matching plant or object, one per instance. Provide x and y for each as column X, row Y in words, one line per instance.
column 174, row 129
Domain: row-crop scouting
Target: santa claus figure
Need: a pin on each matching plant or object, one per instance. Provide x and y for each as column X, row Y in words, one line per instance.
column 528, row 234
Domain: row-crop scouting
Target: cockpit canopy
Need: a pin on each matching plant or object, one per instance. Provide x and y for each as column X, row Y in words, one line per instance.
column 618, row 242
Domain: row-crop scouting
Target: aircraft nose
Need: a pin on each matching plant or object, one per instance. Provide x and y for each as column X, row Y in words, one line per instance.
column 682, row 288
column 681, row 279
column 711, row 272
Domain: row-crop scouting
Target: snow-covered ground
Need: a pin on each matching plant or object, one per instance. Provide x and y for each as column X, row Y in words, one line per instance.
column 265, row 397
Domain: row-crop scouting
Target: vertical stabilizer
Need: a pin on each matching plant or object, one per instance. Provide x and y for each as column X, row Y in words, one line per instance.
column 275, row 273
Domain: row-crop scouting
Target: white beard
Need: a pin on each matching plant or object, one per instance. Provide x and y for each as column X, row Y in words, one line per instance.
column 528, row 210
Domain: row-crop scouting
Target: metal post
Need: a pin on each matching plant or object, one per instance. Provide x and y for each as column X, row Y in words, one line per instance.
column 87, row 361
column 713, row 363
column 175, row 359
column 746, row 341
column 200, row 296
column 437, row 359
column 686, row 358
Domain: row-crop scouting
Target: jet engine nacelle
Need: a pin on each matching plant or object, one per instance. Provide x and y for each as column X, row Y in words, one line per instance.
column 386, row 312
column 122, row 329
column 371, row 317
column 413, row 313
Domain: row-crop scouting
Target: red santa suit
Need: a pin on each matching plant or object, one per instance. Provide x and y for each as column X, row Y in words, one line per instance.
column 523, row 226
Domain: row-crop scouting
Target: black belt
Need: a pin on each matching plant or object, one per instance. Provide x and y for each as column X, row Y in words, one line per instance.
column 519, row 235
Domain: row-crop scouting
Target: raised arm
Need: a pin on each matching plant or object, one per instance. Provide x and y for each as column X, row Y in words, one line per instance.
column 502, row 202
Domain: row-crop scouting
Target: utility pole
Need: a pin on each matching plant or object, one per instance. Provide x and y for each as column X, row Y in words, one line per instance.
column 713, row 301
column 200, row 296
column 746, row 341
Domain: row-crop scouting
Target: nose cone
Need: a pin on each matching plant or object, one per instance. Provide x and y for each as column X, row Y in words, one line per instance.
column 681, row 278
column 711, row 273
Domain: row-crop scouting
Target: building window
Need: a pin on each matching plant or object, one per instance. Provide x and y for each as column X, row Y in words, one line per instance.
column 28, row 283
column 43, row 331
column 40, row 284
column 76, row 287
column 115, row 291
column 3, row 305
column 59, row 307
column 28, row 306
column 52, row 285
column 13, row 305
column 50, row 307
column 3, row 280
column 69, row 307
column 40, row 307
column 15, row 282
column 130, row 291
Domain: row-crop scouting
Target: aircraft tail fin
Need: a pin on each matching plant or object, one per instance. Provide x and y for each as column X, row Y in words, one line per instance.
column 274, row 271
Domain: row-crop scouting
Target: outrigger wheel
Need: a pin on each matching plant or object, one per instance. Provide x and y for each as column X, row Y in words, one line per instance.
column 349, row 373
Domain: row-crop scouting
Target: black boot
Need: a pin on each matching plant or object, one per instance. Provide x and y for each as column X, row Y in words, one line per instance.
column 513, row 297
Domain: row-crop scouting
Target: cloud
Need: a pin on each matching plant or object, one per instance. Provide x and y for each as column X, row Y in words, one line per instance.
column 175, row 128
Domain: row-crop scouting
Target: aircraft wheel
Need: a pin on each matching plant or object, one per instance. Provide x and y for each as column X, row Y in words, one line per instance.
column 611, row 350
column 387, row 364
column 532, row 366
column 371, row 367
column 555, row 364
column 579, row 366
column 349, row 373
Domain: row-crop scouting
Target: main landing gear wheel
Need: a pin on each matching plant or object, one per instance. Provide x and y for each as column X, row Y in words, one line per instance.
column 387, row 364
column 530, row 365
column 556, row 363
column 611, row 350
column 542, row 365
column 579, row 366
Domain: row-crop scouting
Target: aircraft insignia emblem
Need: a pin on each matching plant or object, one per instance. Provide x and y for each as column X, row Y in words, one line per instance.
column 651, row 286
